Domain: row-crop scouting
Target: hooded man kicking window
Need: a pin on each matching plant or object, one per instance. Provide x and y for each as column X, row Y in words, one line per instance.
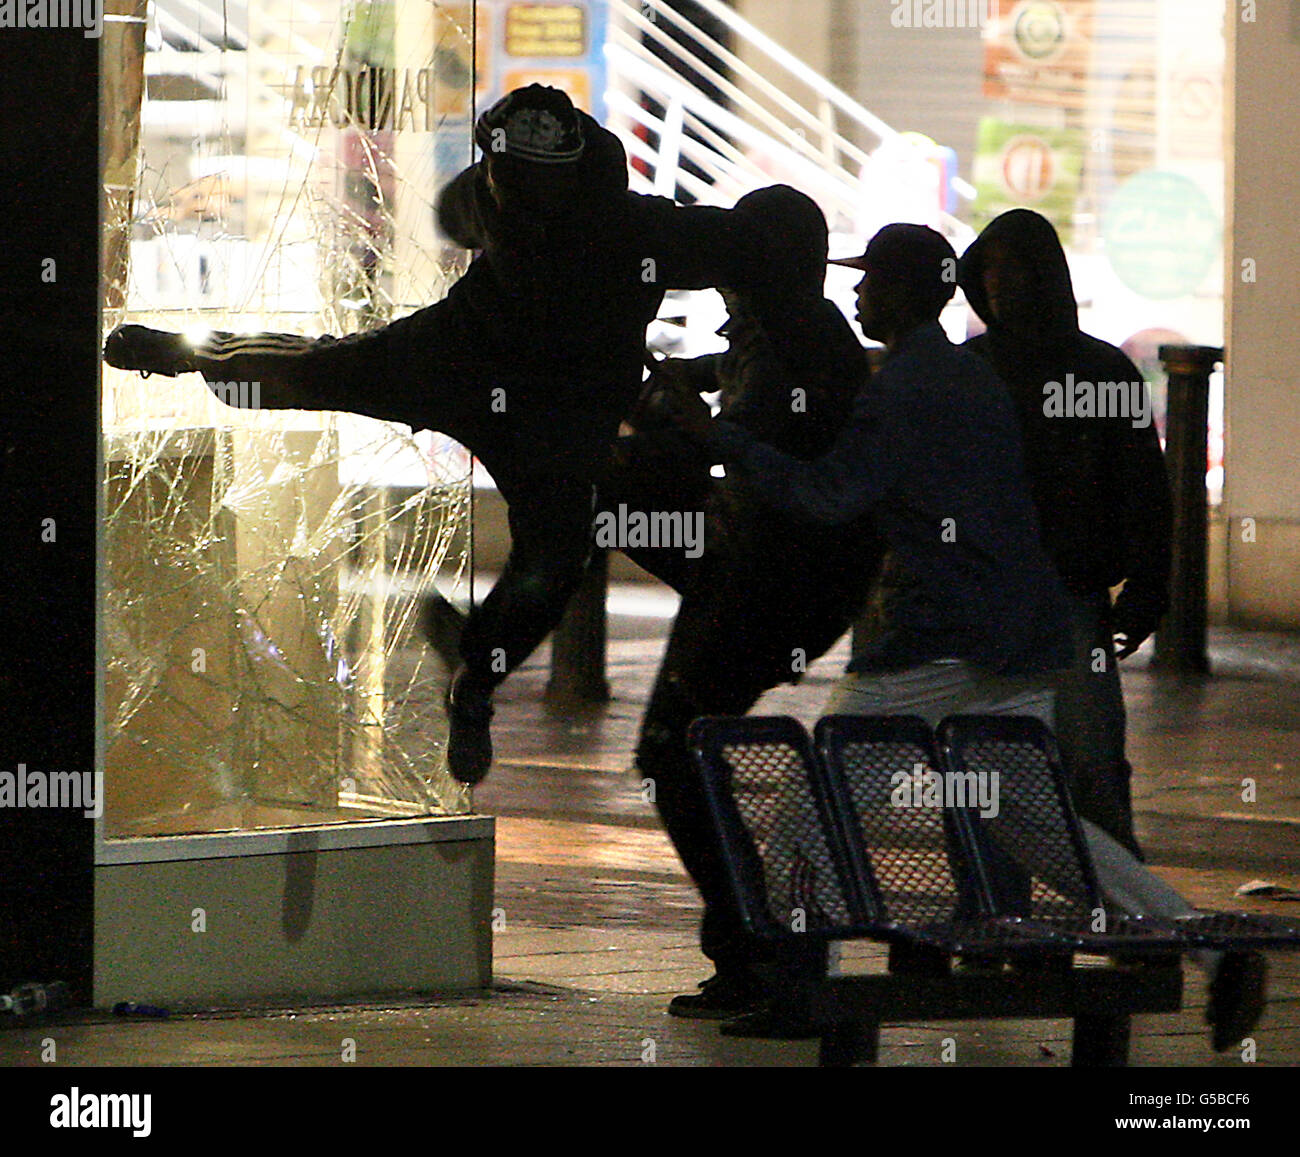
column 530, row 361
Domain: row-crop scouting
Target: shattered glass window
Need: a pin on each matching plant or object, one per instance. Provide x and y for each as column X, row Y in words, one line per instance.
column 272, row 167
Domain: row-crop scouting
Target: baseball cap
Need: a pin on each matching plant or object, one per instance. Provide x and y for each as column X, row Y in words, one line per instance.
column 913, row 255
column 536, row 123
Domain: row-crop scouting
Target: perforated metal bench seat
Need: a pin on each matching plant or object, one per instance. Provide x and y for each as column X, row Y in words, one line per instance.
column 847, row 840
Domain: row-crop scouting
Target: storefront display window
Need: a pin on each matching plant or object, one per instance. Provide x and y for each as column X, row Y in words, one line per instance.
column 273, row 167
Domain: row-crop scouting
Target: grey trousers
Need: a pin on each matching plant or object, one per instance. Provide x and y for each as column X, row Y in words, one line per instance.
column 951, row 687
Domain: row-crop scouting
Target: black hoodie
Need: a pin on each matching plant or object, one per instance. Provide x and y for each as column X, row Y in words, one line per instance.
column 1099, row 483
column 557, row 302
column 790, row 376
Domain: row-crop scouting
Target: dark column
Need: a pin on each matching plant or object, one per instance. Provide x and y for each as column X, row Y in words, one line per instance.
column 49, row 482
column 578, row 644
column 1180, row 642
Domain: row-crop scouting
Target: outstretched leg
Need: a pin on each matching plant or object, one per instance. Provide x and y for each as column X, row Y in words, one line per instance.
column 402, row 372
column 419, row 371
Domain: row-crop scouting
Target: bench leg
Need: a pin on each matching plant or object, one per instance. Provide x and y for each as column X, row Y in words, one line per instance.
column 922, row 958
column 1100, row 1041
column 854, row 1043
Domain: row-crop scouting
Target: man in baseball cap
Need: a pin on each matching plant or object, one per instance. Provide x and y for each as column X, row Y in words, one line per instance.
column 978, row 621
column 912, row 271
column 933, row 451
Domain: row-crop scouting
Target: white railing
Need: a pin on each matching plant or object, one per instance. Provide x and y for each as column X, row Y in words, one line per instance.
column 765, row 134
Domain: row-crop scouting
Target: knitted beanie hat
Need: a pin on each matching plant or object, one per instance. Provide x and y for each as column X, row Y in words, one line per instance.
column 536, row 123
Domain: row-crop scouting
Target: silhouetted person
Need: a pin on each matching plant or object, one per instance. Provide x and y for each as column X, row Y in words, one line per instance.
column 933, row 451
column 530, row 361
column 769, row 594
column 1099, row 485
column 980, row 622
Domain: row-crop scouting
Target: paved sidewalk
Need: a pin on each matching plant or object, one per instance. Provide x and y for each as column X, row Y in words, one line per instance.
column 600, row 920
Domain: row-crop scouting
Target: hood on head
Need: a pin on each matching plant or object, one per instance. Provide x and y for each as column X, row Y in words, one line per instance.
column 604, row 160
column 794, row 235
column 1027, row 238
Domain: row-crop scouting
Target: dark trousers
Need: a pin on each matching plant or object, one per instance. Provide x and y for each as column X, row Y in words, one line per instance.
column 753, row 614
column 416, row 371
column 764, row 599
column 703, row 673
column 1091, row 721
column 550, row 544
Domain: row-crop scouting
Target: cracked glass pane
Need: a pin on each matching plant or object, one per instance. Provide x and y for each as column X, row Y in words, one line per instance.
column 273, row 168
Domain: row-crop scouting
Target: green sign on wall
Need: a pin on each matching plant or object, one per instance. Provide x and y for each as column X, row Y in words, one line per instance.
column 1024, row 165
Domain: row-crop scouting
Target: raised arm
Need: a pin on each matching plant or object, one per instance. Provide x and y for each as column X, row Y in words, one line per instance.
column 701, row 247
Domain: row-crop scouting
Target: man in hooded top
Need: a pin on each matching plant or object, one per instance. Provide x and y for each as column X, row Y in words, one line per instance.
column 531, row 360
column 769, row 593
column 1098, row 480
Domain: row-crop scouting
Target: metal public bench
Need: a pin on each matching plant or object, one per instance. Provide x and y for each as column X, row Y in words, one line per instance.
column 984, row 914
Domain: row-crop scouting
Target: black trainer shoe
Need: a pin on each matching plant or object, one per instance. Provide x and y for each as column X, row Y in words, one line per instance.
column 150, row 351
column 442, row 625
column 721, row 997
column 1237, row 998
column 469, row 740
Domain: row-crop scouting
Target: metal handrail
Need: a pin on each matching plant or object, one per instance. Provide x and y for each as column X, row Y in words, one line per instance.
column 833, row 186
column 811, row 148
column 839, row 99
column 685, row 56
